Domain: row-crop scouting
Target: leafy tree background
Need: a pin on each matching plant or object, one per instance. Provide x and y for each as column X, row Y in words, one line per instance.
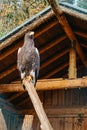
column 15, row 12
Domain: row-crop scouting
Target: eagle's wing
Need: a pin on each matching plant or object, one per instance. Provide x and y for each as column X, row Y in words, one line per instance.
column 18, row 58
column 20, row 65
column 38, row 66
column 35, row 59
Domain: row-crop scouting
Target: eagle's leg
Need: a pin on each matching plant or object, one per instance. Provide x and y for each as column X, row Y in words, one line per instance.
column 29, row 78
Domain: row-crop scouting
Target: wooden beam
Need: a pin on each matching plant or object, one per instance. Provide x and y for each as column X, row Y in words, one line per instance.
column 82, row 34
column 54, row 58
column 14, row 96
column 48, row 84
column 64, row 23
column 84, row 45
column 45, row 124
column 48, row 27
column 3, row 125
column 52, row 44
column 72, row 62
column 7, row 72
column 10, row 51
column 27, row 122
column 53, row 72
column 6, row 105
column 60, row 112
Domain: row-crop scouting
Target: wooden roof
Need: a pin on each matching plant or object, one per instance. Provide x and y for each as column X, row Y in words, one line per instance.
column 53, row 45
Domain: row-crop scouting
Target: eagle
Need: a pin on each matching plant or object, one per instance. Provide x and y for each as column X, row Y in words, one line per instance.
column 28, row 58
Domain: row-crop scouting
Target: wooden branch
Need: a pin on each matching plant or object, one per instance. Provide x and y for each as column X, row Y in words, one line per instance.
column 45, row 124
column 47, row 84
column 64, row 23
column 72, row 62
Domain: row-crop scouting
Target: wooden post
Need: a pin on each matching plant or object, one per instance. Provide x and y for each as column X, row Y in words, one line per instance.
column 45, row 124
column 72, row 62
column 2, row 121
column 27, row 122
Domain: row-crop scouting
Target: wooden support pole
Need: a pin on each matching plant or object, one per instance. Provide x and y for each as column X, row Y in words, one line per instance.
column 3, row 125
column 72, row 62
column 27, row 122
column 64, row 23
column 45, row 124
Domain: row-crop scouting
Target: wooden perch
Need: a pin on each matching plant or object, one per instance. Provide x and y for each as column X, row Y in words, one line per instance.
column 72, row 62
column 45, row 124
column 64, row 23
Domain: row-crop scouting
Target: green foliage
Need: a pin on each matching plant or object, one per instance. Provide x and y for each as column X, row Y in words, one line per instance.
column 15, row 12
column 1, row 34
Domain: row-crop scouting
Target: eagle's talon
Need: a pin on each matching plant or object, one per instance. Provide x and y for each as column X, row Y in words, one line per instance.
column 30, row 78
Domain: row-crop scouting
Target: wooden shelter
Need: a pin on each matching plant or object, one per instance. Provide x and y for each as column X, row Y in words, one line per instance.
column 62, row 93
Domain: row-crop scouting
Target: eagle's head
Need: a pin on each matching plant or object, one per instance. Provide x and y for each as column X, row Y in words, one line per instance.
column 29, row 38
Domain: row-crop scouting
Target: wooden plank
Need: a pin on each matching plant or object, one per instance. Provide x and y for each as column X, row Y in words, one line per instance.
column 27, row 122
column 59, row 112
column 54, row 98
column 2, row 121
column 82, row 34
column 53, row 59
column 61, row 98
column 47, row 84
column 48, row 98
column 7, row 72
column 56, row 42
column 68, row 123
column 53, row 72
column 10, row 51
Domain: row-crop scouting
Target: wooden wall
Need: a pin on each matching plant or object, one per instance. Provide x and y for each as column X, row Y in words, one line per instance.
column 64, row 98
column 66, row 110
column 64, row 123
